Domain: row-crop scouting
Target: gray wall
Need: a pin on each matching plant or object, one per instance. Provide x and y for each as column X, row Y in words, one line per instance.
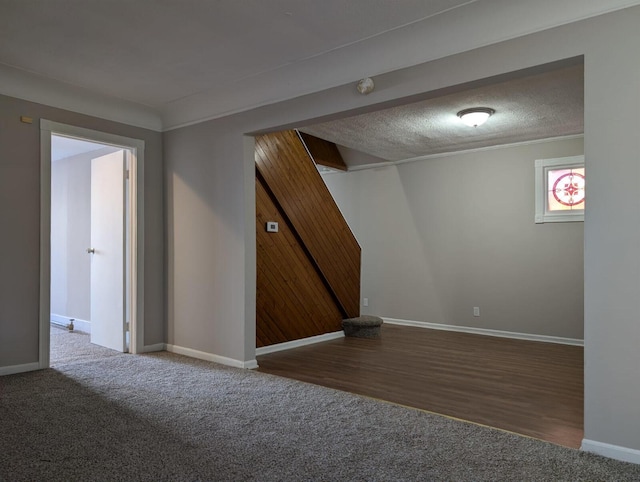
column 612, row 231
column 209, row 241
column 211, row 290
column 20, row 225
column 443, row 235
column 70, row 237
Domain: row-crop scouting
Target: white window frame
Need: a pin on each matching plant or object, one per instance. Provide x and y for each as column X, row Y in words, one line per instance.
column 542, row 166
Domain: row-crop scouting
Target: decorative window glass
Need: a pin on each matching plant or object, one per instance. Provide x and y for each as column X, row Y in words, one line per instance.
column 560, row 189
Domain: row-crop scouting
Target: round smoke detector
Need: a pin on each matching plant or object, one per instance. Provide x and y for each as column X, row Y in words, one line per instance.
column 366, row 86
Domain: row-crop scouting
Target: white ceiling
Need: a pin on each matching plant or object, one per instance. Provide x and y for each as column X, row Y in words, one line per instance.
column 64, row 147
column 168, row 50
column 157, row 53
column 161, row 64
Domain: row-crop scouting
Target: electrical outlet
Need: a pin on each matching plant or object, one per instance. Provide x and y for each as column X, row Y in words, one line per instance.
column 476, row 311
column 365, row 301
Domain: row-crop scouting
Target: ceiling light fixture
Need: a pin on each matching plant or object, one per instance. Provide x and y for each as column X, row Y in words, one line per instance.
column 475, row 116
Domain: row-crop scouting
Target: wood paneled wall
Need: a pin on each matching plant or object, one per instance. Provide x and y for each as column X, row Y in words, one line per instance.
column 323, row 152
column 308, row 274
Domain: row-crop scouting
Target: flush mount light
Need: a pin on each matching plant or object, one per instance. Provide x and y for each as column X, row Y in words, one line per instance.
column 475, row 116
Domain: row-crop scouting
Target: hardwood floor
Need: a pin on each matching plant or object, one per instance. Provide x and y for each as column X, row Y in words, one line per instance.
column 530, row 388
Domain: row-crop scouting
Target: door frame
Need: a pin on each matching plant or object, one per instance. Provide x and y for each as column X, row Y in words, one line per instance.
column 136, row 226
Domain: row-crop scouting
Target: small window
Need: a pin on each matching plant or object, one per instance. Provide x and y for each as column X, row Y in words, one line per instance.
column 560, row 190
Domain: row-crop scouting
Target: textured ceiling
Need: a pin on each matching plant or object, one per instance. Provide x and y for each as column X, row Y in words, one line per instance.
column 533, row 107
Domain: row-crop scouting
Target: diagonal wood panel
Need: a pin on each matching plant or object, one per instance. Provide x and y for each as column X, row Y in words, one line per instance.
column 285, row 167
column 323, row 152
column 292, row 300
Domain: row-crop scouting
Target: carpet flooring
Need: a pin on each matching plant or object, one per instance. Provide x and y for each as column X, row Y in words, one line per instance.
column 73, row 347
column 168, row 417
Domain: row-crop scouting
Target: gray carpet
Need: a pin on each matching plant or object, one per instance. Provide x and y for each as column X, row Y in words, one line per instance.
column 58, row 330
column 167, row 417
column 74, row 346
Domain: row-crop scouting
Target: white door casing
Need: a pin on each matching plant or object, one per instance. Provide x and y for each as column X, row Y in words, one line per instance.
column 108, row 251
column 136, row 235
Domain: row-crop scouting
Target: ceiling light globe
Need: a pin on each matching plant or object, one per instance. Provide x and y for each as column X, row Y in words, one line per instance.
column 475, row 117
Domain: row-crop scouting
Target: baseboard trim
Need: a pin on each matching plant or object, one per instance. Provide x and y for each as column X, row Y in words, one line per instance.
column 12, row 370
column 156, row 347
column 287, row 345
column 78, row 325
column 487, row 332
column 201, row 355
column 612, row 451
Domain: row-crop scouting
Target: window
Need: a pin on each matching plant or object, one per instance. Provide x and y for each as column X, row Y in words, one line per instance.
column 560, row 190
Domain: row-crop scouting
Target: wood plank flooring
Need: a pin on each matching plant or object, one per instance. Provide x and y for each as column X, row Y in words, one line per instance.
column 531, row 388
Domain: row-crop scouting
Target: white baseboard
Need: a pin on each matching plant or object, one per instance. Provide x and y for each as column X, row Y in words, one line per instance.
column 156, row 347
column 612, row 451
column 201, row 355
column 78, row 324
column 27, row 367
column 263, row 350
column 487, row 332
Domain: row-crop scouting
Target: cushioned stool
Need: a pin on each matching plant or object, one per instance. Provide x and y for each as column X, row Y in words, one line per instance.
column 366, row 326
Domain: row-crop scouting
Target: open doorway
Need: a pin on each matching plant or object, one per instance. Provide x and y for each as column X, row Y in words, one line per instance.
column 89, row 208
column 91, row 282
column 443, row 212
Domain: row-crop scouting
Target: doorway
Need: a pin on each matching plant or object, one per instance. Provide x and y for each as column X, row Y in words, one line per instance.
column 91, row 237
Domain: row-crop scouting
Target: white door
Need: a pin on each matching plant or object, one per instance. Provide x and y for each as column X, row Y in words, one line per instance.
column 107, row 251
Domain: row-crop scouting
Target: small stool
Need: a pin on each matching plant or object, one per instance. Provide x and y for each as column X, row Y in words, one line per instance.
column 366, row 326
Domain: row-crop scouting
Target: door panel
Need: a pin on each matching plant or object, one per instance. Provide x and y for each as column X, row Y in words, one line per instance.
column 108, row 324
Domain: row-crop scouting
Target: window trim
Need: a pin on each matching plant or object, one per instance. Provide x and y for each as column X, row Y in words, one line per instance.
column 541, row 188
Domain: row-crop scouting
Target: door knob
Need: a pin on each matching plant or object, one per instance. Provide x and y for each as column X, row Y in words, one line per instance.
column 91, row 250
